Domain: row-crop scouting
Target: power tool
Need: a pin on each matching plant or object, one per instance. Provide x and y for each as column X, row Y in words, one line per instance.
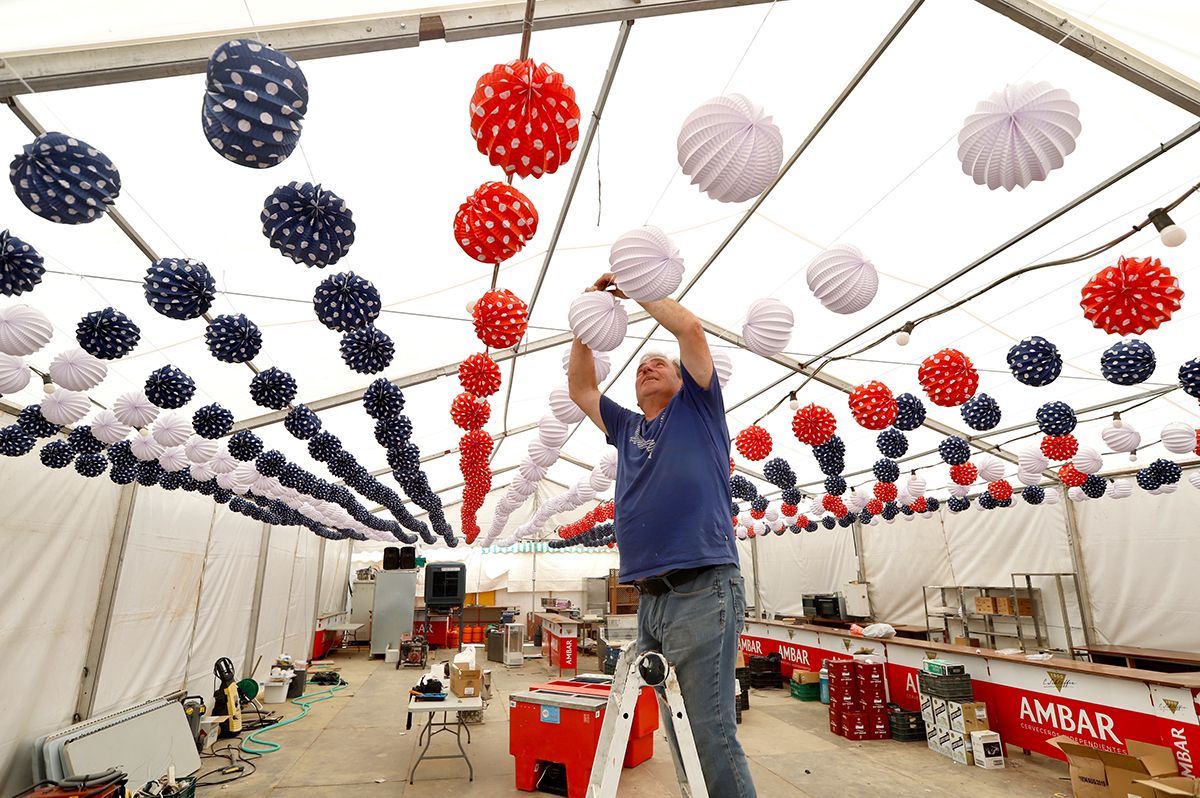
column 227, row 701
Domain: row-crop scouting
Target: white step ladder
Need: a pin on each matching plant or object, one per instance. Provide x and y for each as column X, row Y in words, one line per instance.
column 635, row 671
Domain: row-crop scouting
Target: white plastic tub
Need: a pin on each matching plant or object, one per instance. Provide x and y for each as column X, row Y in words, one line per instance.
column 275, row 691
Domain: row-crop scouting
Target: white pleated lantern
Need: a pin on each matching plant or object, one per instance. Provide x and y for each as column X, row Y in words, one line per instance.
column 145, row 448
column 76, row 370
column 522, row 488
column 768, row 327
column 1166, row 488
column 531, row 470
column 1122, row 438
column 200, row 450
column 915, row 485
column 201, row 472
column 542, row 455
column 842, row 279
column 552, row 432
column 903, row 498
column 584, row 492
column 856, row 502
column 608, row 464
column 723, row 365
column 135, row 409
column 242, row 478
column 173, row 459
column 171, row 429
column 1052, row 497
column 958, row 491
column 741, row 533
column 23, row 330
column 600, row 482
column 563, row 408
column 107, row 428
column 1194, row 478
column 1032, row 460
column 1029, row 477
column 1119, row 489
column 600, row 362
column 263, row 485
column 1076, row 494
column 990, row 468
column 1018, row 135
column 599, row 320
column 646, row 264
column 1179, row 438
column 64, row 407
column 1088, row 460
column 730, row 148
column 14, row 374
column 223, row 462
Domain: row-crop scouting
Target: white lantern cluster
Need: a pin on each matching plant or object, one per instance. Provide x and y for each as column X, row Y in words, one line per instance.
column 1030, row 465
column 597, row 481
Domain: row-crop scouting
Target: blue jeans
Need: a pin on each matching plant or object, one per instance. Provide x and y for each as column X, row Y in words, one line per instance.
column 696, row 627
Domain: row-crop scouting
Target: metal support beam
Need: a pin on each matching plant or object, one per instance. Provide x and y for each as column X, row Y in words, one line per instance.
column 260, row 578
column 758, row 607
column 1102, row 50
column 85, row 701
column 1085, row 590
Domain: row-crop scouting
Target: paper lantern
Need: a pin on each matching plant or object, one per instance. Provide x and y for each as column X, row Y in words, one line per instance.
column 1088, row 461
column 1071, row 476
column 1189, row 377
column 563, row 408
column 56, row 454
column 1128, row 362
column 964, row 473
column 981, row 412
column 646, row 264
column 1194, row 478
column 842, row 279
column 62, row 407
column 1032, row 459
column 1000, row 490
column 76, row 370
column 1059, row 447
column 730, row 148
column 873, row 405
column 768, row 327
column 23, row 330
column 753, row 443
column 14, row 374
column 1033, row 494
column 307, row 223
column 212, row 421
column 1168, row 472
column 1035, row 361
column 1119, row 489
column 383, row 399
column 200, row 450
column 21, row 267
column 145, row 448
column 244, row 445
column 501, row 318
column 884, row 491
column 1076, row 494
column 108, row 334
column 722, row 366
column 954, row 450
column 834, row 485
column 990, row 468
column 886, row 471
column 1166, row 489
column 552, row 432
column 107, row 428
column 495, row 223
column 1056, row 418
column 201, row 472
column 892, row 443
column 1148, row 480
column 524, row 118
column 598, row 319
column 1030, row 476
column 90, row 465
column 169, row 388
column 948, row 377
column 1123, row 438
column 254, row 104
column 179, row 288
column 813, row 425
column 135, row 409
column 1095, row 487
column 171, row 429
column 1135, row 295
column 63, row 179
column 479, row 374
column 15, row 442
column 1018, row 135
column 541, row 454
column 173, row 459
column 469, row 411
column 1179, row 438
column 33, row 422
column 367, row 350
column 273, row 388
column 780, row 474
column 346, row 301
column 392, row 433
column 302, row 423
column 599, row 359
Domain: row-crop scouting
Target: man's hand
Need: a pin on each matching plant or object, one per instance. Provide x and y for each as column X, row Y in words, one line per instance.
column 607, row 281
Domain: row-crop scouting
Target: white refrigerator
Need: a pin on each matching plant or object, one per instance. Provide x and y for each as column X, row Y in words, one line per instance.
column 392, row 613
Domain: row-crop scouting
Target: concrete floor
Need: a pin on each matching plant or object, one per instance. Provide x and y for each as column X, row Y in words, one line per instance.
column 355, row 744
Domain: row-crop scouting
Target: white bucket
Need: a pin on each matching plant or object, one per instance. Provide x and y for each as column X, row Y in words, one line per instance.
column 275, row 691
column 391, row 655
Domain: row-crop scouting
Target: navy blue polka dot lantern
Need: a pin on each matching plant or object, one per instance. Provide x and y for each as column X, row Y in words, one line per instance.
column 954, row 450
column 272, row 388
column 981, row 412
column 179, row 288
column 910, row 412
column 21, row 267
column 233, row 338
column 892, row 443
column 324, row 446
column 33, row 422
column 123, row 475
column 835, row 485
column 148, row 473
column 1033, row 494
column 308, row 224
column 988, row 502
column 779, row 473
column 1056, row 418
column 829, row 522
column 1168, row 472
column 91, row 465
column 1095, row 486
column 271, row 463
column 1035, row 361
column 107, row 334
column 254, row 105
column 83, row 441
column 1128, row 362
column 15, row 441
column 791, row 496
column 212, row 421
column 56, row 454
column 890, row 511
column 302, row 422
column 367, row 350
column 759, row 504
column 121, row 454
column 393, row 432
column 1148, row 479
column 383, row 399
column 864, row 517
column 346, row 301
column 169, row 388
column 63, row 179
column 957, row 504
column 244, row 445
column 1189, row 377
column 932, row 504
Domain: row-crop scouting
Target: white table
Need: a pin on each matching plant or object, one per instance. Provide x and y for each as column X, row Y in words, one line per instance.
column 452, row 705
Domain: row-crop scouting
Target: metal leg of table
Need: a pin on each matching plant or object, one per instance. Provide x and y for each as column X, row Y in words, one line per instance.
column 428, row 726
column 456, row 729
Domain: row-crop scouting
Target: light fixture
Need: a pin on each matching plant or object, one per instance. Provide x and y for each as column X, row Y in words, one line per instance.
column 905, row 334
column 1133, row 456
column 1171, row 234
column 1117, row 420
column 794, row 404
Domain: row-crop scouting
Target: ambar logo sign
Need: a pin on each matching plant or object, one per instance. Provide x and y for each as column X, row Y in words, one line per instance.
column 1057, row 680
column 1172, row 706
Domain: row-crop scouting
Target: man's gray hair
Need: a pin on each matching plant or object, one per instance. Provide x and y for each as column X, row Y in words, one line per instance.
column 674, row 361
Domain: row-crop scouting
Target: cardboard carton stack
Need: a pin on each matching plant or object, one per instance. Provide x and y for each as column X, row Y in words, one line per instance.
column 1147, row 771
column 956, row 725
column 806, row 685
column 466, row 677
column 858, row 700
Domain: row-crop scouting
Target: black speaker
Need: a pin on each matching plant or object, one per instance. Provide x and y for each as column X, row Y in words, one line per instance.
column 391, row 558
column 408, row 558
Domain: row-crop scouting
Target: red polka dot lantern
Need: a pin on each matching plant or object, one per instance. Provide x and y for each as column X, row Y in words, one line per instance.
column 479, row 374
column 873, row 405
column 1000, row 490
column 731, row 466
column 919, row 505
column 885, row 491
column 948, row 377
column 476, row 444
column 1071, row 476
column 835, row 505
column 494, row 223
column 813, row 425
column 875, row 506
column 964, row 474
column 753, row 443
column 1060, row 447
column 1135, row 295
column 501, row 318
column 524, row 118
column 788, row 510
column 469, row 411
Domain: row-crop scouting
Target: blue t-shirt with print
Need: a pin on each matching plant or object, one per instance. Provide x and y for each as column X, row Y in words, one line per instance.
column 672, row 486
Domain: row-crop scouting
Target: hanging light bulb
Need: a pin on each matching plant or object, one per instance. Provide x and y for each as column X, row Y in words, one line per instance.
column 794, row 404
column 1133, row 456
column 1117, row 421
column 905, row 334
column 1171, row 234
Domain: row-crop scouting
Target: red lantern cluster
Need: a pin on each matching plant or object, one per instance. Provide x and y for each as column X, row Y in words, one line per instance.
column 494, row 223
column 474, row 449
column 524, row 118
column 802, row 521
column 1135, row 295
column 597, row 515
column 479, row 374
column 1071, row 476
column 788, row 510
column 948, row 377
column 835, row 505
column 813, row 425
column 875, row 506
column 885, row 491
column 501, row 318
column 1000, row 490
column 470, row 412
column 758, row 515
column 753, row 443
column 1060, row 447
column 919, row 505
column 964, row 474
column 873, row 405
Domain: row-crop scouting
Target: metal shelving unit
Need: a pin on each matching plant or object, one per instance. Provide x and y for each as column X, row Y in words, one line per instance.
column 1015, row 625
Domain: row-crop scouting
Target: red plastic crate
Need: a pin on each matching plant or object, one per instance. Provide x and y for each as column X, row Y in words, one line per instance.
column 854, row 725
column 835, row 721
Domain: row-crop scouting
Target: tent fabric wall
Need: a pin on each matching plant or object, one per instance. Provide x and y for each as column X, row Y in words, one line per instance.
column 301, row 608
column 899, row 560
column 334, row 573
column 792, row 564
column 54, row 555
column 282, row 551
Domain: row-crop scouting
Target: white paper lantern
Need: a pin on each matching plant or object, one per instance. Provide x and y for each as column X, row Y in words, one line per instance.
column 1029, row 477
column 599, row 481
column 816, row 508
column 64, row 407
column 599, row 320
column 1194, row 478
column 608, row 464
column 224, row 481
column 563, row 408
column 1088, row 460
column 761, row 528
column 958, row 491
column 646, row 264
column 768, row 327
column 173, row 459
column 1032, row 460
column 584, row 492
column 600, row 361
column 145, row 448
column 263, row 485
column 990, row 468
column 902, row 498
column 172, row 429
column 1119, row 489
column 723, row 365
column 531, row 470
column 135, row 409
column 552, row 432
column 1121, row 439
column 542, row 455
column 14, row 374
column 76, row 370
column 1179, row 438
column 23, row 330
column 741, row 533
column 915, row 485
column 1166, row 488
column 1076, row 494
column 1018, row 135
column 908, row 518
column 1052, row 497
column 843, row 279
column 855, row 502
column 200, row 450
column 201, row 472
column 242, row 478
column 223, row 462
column 730, row 148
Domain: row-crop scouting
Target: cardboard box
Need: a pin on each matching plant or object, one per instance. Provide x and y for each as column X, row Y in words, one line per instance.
column 466, row 683
column 945, row 740
column 1024, row 606
column 985, row 605
column 927, row 710
column 972, row 642
column 931, row 738
column 960, row 749
column 1166, row 787
column 966, row 717
column 806, row 677
column 942, row 667
column 741, row 660
column 1101, row 774
column 835, row 721
column 988, row 750
column 941, row 712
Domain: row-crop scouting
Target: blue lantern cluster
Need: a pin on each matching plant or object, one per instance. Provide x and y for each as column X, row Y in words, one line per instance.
column 56, row 454
column 179, row 288
column 21, row 267
column 779, row 473
column 1033, row 494
column 308, row 224
column 83, row 441
column 599, row 535
column 33, row 422
column 831, row 456
column 886, row 470
column 63, row 179
column 15, row 441
column 302, row 423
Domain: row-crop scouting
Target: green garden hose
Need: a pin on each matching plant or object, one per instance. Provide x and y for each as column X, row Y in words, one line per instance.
column 305, row 702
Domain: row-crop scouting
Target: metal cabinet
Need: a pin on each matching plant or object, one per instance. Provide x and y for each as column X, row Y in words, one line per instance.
column 392, row 615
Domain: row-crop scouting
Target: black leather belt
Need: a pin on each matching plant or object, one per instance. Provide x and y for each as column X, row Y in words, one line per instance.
column 658, row 585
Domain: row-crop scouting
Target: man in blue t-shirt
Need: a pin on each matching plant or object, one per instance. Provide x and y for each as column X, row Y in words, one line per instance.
column 674, row 528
